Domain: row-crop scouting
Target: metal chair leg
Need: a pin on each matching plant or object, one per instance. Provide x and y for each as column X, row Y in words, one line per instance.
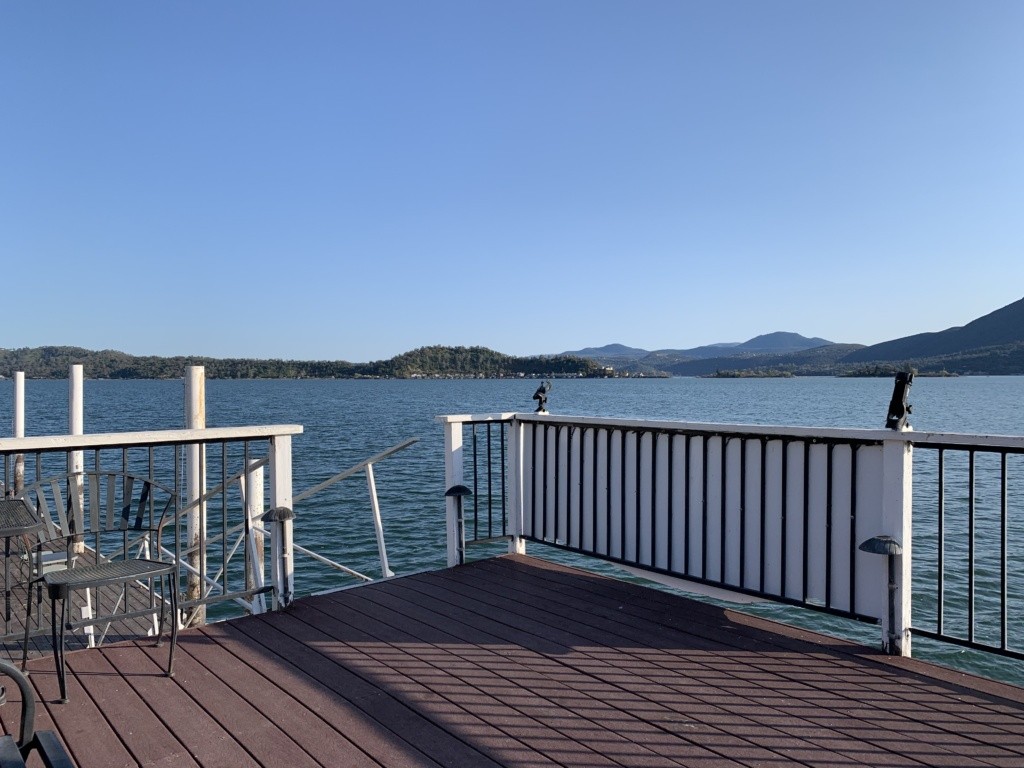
column 173, row 587
column 58, row 650
column 163, row 606
column 28, row 623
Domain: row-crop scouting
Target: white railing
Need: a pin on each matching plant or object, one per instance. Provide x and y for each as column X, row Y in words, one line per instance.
column 815, row 517
column 227, row 521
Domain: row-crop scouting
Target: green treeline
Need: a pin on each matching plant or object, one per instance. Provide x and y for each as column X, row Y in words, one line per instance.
column 426, row 362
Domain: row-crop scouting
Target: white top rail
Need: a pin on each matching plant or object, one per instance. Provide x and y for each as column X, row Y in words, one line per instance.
column 156, row 437
column 952, row 439
column 466, row 417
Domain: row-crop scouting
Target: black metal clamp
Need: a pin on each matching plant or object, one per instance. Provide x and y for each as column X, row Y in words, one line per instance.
column 899, row 408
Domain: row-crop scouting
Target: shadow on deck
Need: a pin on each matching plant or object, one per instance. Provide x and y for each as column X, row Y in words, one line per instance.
column 519, row 662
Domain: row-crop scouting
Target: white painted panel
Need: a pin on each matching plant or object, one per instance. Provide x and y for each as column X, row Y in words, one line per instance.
column 615, row 516
column 817, row 522
column 630, row 510
column 603, row 480
column 529, row 477
column 752, row 515
column 587, row 503
column 733, row 513
column 794, row 529
column 549, row 508
column 680, row 487
column 645, row 445
column 871, row 569
column 695, row 528
column 842, row 498
column 661, row 507
column 773, row 518
column 714, row 508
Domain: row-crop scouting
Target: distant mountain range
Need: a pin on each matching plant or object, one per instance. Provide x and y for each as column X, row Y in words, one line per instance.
column 992, row 344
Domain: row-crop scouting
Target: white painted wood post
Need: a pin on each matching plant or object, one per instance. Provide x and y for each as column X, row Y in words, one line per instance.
column 453, row 477
column 76, row 416
column 514, row 474
column 378, row 526
column 281, row 516
column 195, row 484
column 76, row 426
column 254, row 508
column 897, row 519
column 19, row 430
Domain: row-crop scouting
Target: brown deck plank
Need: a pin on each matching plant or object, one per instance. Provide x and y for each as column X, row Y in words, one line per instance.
column 632, row 739
column 199, row 733
column 440, row 693
column 287, row 633
column 243, row 719
column 129, row 714
column 522, row 663
column 326, row 744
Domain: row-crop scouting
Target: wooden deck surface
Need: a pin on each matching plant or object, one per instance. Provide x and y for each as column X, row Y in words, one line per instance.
column 519, row 662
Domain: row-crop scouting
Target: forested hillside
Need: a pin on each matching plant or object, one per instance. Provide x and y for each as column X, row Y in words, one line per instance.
column 426, row 362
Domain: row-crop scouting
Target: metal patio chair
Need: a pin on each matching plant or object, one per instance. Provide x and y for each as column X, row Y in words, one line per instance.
column 46, row 744
column 111, row 525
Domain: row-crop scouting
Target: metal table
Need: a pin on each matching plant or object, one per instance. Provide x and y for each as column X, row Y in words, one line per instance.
column 16, row 519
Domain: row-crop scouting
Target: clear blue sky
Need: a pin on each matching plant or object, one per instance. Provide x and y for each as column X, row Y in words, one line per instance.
column 351, row 180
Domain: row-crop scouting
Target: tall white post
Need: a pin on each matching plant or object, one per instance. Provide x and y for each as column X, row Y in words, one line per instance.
column 76, row 416
column 19, row 430
column 254, row 514
column 281, row 516
column 195, row 479
column 76, row 426
column 897, row 519
column 514, row 470
column 453, row 477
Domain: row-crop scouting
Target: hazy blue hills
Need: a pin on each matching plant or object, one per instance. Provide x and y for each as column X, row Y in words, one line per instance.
column 1004, row 327
column 636, row 360
column 992, row 344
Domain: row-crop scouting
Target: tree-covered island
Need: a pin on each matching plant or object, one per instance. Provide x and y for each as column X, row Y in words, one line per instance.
column 425, row 362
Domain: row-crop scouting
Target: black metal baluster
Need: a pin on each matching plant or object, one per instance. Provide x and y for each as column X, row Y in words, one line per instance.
column 723, row 507
column 830, row 449
column 743, row 512
column 622, row 495
column 941, row 559
column 784, row 511
column 763, row 484
column 1002, row 551
column 853, row 528
column 970, row 547
column 654, row 499
column 807, row 515
column 636, row 497
column 686, row 504
column 669, row 508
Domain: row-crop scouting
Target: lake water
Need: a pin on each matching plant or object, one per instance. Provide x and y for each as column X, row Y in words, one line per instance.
column 346, row 421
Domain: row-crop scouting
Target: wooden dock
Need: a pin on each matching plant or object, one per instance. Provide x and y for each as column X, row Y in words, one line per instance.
column 519, row 662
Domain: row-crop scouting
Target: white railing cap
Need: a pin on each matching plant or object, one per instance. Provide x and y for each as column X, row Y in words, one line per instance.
column 995, row 442
column 156, row 437
column 464, row 418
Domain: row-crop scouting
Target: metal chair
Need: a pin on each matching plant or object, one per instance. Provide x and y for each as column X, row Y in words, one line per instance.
column 112, row 528
column 14, row 753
